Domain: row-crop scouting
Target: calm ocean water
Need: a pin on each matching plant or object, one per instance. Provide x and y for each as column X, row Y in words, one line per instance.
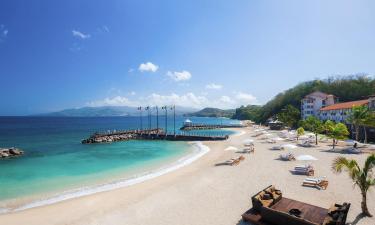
column 56, row 161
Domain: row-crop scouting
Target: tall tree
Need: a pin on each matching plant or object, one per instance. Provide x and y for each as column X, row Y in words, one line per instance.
column 290, row 116
column 337, row 131
column 368, row 121
column 314, row 125
column 357, row 117
column 300, row 132
column 362, row 177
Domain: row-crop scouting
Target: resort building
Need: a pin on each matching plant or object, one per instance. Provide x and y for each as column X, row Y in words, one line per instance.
column 325, row 107
column 371, row 102
column 312, row 103
column 339, row 112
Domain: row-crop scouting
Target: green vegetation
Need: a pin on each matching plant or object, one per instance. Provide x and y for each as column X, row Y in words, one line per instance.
column 300, row 132
column 290, row 116
column 361, row 116
column 348, row 88
column 368, row 121
column 250, row 112
column 363, row 177
column 213, row 112
column 314, row 125
column 357, row 117
column 337, row 131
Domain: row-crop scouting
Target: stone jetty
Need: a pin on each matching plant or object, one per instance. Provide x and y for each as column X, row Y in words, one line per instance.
column 150, row 134
column 119, row 136
column 10, row 152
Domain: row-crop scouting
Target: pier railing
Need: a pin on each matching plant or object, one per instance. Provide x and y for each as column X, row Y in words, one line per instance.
column 201, row 126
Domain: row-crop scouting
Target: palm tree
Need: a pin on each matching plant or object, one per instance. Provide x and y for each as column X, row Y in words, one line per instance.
column 314, row 125
column 368, row 121
column 337, row 131
column 361, row 177
column 356, row 118
column 300, row 132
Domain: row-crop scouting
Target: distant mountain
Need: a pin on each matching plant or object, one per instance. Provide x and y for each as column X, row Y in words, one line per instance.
column 107, row 111
column 213, row 112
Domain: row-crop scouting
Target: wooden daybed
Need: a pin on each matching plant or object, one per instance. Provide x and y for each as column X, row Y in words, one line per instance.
column 271, row 208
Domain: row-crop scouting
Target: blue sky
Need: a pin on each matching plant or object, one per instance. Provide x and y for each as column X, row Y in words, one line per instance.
column 66, row 54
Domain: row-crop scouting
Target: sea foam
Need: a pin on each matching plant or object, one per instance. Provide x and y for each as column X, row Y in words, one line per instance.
column 199, row 150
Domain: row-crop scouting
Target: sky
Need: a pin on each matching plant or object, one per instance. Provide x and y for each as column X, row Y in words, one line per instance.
column 75, row 53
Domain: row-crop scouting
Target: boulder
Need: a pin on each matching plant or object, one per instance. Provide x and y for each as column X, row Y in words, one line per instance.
column 15, row 151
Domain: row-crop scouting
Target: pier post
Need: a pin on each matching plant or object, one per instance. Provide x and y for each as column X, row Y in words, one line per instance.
column 157, row 119
column 174, row 119
column 140, row 115
column 148, row 118
column 166, row 119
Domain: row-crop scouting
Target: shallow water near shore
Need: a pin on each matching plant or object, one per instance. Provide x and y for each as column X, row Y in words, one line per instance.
column 56, row 162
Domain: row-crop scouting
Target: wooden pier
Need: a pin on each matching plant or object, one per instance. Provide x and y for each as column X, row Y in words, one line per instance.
column 150, row 134
column 201, row 126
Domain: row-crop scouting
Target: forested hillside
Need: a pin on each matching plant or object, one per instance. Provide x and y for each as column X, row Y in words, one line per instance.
column 346, row 88
column 212, row 112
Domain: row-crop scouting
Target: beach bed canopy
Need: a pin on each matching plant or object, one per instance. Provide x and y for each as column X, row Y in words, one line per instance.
column 231, row 148
column 306, row 158
column 278, row 139
column 289, row 146
column 248, row 141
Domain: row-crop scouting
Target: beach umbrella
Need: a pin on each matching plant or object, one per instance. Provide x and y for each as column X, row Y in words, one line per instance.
column 278, row 139
column 289, row 146
column 302, row 137
column 306, row 158
column 248, row 141
column 231, row 148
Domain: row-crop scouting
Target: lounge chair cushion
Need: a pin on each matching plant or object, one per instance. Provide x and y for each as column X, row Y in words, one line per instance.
column 276, row 194
column 266, row 203
column 267, row 196
column 264, row 199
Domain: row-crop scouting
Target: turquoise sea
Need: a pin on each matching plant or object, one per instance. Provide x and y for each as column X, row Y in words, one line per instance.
column 55, row 161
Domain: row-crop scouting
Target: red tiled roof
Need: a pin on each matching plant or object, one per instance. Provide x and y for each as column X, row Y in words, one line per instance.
column 345, row 105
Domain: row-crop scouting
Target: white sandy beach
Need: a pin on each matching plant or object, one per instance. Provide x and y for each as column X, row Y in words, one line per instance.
column 202, row 193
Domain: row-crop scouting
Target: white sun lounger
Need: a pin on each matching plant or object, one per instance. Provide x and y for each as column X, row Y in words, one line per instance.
column 320, row 182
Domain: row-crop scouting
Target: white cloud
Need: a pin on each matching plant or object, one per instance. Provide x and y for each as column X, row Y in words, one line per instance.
column 80, row 35
column 148, row 67
column 186, row 100
column 226, row 99
column 245, row 99
column 179, row 76
column 115, row 101
column 3, row 32
column 189, row 100
column 214, row 86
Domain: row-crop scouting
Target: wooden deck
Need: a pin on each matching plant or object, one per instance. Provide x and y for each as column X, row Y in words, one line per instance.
column 311, row 213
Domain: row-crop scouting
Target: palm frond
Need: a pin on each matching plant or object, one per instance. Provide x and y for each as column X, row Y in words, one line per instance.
column 369, row 164
column 341, row 163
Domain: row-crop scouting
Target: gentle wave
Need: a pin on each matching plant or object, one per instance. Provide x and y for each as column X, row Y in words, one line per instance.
column 199, row 150
column 240, row 133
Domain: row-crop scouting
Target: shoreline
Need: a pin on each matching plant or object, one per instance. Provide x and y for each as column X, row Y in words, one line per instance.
column 198, row 150
column 205, row 192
